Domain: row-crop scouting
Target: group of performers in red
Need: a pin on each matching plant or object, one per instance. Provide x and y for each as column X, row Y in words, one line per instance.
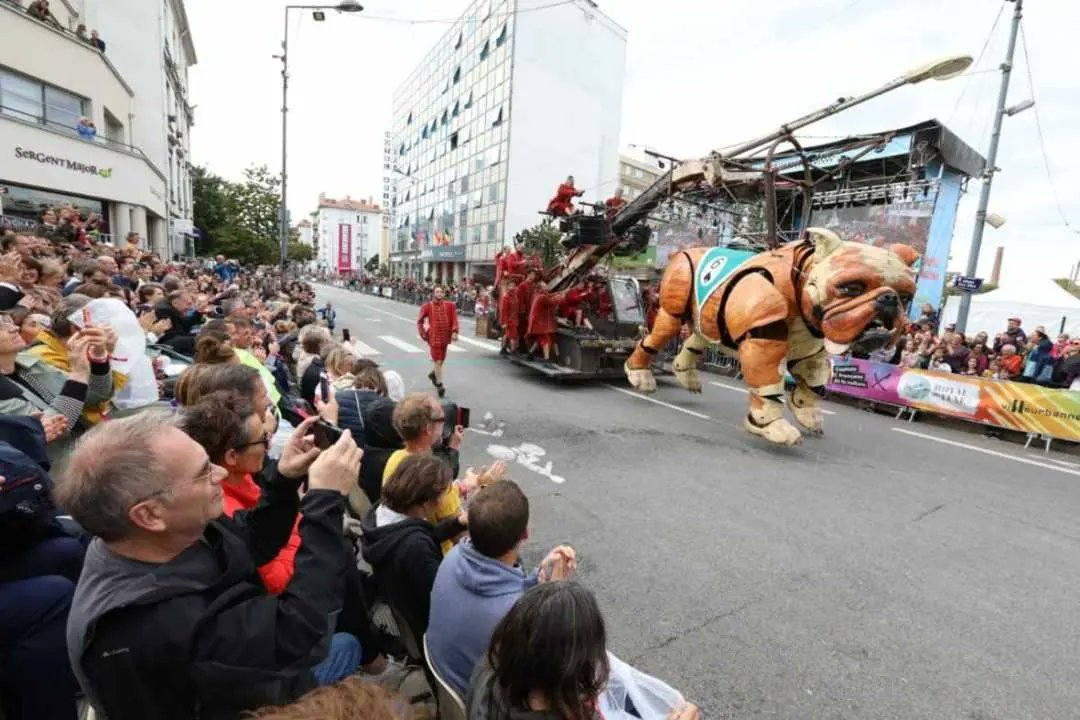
column 530, row 315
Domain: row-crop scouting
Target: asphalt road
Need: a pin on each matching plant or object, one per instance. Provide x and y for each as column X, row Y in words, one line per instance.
column 886, row 570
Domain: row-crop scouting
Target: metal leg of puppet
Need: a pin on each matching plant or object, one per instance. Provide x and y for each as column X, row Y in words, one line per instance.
column 639, row 365
column 760, row 359
column 685, row 365
column 811, row 375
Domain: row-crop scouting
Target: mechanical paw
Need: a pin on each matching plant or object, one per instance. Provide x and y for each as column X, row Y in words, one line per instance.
column 810, row 417
column 779, row 431
column 689, row 379
column 641, row 380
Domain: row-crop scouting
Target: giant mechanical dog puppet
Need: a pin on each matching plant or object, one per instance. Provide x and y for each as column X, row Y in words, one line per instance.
column 797, row 304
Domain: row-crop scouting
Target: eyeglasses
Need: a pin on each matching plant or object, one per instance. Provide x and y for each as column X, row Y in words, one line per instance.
column 206, row 475
column 437, row 419
column 264, row 441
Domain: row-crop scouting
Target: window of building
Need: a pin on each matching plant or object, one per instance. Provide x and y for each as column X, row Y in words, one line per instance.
column 453, row 141
column 465, row 184
column 409, row 121
column 460, row 37
column 114, row 129
column 493, row 232
column 457, row 109
column 475, row 235
column 478, row 198
column 445, row 117
column 502, row 37
column 457, row 74
column 498, row 118
column 493, row 193
column 485, row 50
column 469, row 102
column 34, row 101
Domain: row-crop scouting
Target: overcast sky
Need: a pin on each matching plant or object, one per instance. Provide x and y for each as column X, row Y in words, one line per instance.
column 700, row 74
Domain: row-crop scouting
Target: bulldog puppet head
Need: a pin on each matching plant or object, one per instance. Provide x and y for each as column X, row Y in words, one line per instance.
column 857, row 293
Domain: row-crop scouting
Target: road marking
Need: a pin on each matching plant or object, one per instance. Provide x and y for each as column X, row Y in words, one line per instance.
column 478, row 343
column 744, row 391
column 455, row 348
column 987, row 451
column 646, row 398
column 364, row 349
column 400, row 344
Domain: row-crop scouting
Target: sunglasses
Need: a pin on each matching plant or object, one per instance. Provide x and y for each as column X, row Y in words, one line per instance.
column 264, row 441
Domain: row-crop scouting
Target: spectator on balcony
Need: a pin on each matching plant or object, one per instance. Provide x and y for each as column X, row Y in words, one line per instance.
column 86, row 129
column 97, row 41
column 82, row 34
column 39, row 9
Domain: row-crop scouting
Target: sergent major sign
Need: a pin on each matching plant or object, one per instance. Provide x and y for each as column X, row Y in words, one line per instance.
column 61, row 162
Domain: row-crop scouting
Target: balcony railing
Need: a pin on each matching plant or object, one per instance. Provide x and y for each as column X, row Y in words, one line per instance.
column 72, row 130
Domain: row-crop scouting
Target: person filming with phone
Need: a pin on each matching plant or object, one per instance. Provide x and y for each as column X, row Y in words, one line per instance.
column 170, row 617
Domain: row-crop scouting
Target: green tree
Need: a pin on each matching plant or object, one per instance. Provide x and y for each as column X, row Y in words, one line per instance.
column 543, row 240
column 209, row 193
column 254, row 204
column 372, row 265
column 300, row 252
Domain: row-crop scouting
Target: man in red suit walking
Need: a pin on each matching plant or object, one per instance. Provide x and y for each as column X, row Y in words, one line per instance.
column 438, row 326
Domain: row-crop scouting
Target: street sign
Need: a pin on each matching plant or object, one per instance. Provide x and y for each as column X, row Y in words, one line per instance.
column 967, row 284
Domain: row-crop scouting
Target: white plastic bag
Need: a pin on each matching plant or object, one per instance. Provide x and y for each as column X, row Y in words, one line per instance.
column 129, row 357
column 651, row 698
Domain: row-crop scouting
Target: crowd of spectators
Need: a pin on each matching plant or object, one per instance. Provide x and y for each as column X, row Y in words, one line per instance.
column 1011, row 354
column 222, row 535
column 40, row 10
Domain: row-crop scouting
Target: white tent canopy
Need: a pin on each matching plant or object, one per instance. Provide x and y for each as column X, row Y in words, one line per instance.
column 1038, row 302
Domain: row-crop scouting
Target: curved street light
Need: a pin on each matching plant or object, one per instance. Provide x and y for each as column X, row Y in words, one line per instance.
column 345, row 6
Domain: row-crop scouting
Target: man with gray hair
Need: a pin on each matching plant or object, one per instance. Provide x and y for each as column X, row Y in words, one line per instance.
column 170, row 618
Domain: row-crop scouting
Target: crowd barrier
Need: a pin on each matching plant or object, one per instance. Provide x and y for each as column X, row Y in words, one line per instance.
column 1024, row 407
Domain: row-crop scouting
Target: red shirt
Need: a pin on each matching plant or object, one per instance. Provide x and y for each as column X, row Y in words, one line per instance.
column 542, row 315
column 442, row 322
column 508, row 309
column 244, row 495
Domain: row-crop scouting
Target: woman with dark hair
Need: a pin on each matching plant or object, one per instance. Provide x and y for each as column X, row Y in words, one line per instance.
column 401, row 545
column 548, row 660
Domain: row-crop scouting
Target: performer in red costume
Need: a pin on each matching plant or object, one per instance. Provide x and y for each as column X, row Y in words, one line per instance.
column 438, row 326
column 508, row 317
column 563, row 203
column 512, row 264
column 571, row 307
column 542, row 320
column 613, row 204
column 524, row 301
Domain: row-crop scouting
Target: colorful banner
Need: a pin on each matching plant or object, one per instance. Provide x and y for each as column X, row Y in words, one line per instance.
column 904, row 221
column 1016, row 406
column 344, row 244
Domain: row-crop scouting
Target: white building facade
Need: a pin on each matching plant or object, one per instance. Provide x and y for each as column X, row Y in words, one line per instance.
column 516, row 96
column 347, row 233
column 128, row 171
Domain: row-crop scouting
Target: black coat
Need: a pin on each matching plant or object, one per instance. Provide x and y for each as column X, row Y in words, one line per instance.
column 199, row 637
column 404, row 557
column 10, row 296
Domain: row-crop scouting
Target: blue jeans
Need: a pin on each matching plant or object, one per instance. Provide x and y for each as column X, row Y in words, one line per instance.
column 342, row 661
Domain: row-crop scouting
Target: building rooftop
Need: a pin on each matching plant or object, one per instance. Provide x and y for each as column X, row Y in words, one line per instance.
column 349, row 204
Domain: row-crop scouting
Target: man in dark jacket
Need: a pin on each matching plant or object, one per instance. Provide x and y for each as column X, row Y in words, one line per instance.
column 176, row 307
column 170, row 618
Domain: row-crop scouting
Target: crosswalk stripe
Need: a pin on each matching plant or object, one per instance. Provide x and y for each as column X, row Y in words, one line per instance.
column 478, row 343
column 400, row 344
column 455, row 348
column 364, row 349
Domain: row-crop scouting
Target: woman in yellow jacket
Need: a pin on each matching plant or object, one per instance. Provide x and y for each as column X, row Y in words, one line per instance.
column 51, row 346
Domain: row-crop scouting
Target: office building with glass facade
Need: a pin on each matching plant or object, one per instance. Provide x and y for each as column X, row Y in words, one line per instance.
column 517, row 95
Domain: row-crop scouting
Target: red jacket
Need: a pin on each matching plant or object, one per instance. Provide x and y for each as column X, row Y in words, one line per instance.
column 525, row 296
column 508, row 309
column 442, row 322
column 563, row 200
column 575, row 297
column 542, row 315
column 276, row 573
column 612, row 206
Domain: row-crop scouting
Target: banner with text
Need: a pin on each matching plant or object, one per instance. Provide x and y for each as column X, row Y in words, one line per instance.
column 1016, row 406
column 344, row 263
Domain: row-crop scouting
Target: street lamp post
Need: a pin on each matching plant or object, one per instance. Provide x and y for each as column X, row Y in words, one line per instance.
column 991, row 159
column 349, row 6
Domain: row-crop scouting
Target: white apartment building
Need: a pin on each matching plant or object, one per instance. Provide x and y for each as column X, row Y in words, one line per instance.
column 134, row 171
column 346, row 233
column 305, row 232
column 517, row 95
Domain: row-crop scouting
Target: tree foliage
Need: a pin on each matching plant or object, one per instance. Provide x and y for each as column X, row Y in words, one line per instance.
column 372, row 265
column 542, row 239
column 239, row 220
column 300, row 252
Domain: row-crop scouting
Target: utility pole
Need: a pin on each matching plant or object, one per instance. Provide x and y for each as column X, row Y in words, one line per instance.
column 283, row 228
column 988, row 174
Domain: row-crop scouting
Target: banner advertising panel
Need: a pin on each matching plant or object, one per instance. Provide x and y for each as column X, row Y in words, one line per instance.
column 906, row 222
column 1024, row 407
column 344, row 261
